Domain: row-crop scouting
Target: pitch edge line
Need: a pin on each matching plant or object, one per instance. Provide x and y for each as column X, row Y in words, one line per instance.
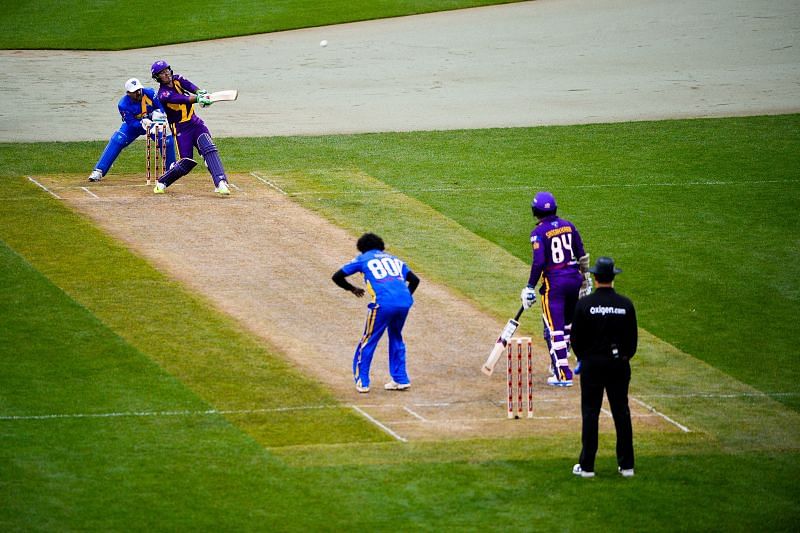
column 44, row 188
column 662, row 415
column 386, row 429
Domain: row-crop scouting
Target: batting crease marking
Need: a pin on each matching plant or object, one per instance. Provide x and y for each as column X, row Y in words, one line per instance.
column 412, row 413
column 269, row 183
column 662, row 415
column 86, row 189
column 386, row 429
column 44, row 188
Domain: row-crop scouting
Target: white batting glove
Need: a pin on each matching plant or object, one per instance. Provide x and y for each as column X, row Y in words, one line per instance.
column 159, row 116
column 528, row 297
column 586, row 286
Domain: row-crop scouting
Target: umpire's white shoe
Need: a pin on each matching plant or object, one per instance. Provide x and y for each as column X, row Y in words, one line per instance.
column 578, row 471
column 222, row 188
column 625, row 472
column 96, row 175
column 393, row 385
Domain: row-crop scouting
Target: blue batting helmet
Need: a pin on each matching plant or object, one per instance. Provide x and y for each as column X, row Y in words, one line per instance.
column 543, row 204
column 157, row 67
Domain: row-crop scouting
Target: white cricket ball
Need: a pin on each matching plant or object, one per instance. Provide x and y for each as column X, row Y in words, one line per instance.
column 323, row 43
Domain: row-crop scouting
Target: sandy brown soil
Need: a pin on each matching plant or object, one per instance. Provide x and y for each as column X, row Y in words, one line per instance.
column 522, row 64
column 266, row 261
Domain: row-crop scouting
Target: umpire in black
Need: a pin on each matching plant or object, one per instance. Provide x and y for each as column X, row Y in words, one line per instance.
column 604, row 338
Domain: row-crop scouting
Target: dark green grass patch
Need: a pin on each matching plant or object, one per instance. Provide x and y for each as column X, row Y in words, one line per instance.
column 117, row 25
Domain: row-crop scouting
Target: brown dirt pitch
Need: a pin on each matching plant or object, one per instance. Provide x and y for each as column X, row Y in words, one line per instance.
column 266, row 261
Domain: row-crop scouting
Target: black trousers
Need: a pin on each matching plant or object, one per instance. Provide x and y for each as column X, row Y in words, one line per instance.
column 612, row 376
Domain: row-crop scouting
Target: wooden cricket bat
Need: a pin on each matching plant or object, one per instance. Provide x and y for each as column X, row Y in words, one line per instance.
column 224, row 96
column 502, row 342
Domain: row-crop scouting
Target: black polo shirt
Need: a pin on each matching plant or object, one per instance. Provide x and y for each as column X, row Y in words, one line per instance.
column 604, row 320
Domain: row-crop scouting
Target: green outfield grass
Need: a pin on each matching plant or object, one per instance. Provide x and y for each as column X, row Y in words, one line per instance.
column 699, row 214
column 117, row 25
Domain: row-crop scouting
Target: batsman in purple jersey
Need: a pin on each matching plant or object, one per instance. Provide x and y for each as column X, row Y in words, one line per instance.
column 562, row 264
column 390, row 283
column 178, row 96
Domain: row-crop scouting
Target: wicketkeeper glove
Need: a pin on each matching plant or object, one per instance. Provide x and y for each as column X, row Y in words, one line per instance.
column 528, row 296
column 146, row 123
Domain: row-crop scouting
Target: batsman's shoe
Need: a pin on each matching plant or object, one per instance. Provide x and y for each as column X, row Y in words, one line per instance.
column 393, row 385
column 96, row 175
column 625, row 472
column 160, row 188
column 578, row 471
column 555, row 382
column 361, row 389
column 222, row 189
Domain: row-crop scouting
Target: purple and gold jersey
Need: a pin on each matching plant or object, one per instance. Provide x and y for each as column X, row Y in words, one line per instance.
column 132, row 112
column 176, row 101
column 384, row 276
column 557, row 246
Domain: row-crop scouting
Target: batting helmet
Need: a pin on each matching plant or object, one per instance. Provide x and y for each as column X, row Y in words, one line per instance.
column 157, row 67
column 543, row 204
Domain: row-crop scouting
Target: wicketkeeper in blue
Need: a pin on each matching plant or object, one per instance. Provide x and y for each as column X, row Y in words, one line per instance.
column 139, row 108
column 390, row 283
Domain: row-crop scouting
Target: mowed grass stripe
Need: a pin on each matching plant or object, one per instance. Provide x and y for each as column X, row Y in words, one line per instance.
column 441, row 249
column 184, row 335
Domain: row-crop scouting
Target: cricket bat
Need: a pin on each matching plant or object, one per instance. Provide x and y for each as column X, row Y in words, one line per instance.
column 224, row 96
column 502, row 342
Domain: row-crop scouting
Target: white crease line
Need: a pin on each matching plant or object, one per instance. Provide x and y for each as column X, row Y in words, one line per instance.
column 606, row 412
column 662, row 415
column 386, row 429
column 234, row 186
column 412, row 413
column 86, row 189
column 269, row 183
column 529, row 187
column 44, row 188
column 503, row 419
column 169, row 413
column 723, row 395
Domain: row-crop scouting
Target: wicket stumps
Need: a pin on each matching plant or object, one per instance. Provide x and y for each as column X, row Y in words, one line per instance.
column 521, row 344
column 159, row 132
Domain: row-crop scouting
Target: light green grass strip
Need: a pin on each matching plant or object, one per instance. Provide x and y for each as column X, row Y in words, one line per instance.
column 686, row 389
column 204, row 349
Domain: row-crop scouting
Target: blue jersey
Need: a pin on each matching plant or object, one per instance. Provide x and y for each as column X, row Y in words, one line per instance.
column 132, row 112
column 384, row 276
